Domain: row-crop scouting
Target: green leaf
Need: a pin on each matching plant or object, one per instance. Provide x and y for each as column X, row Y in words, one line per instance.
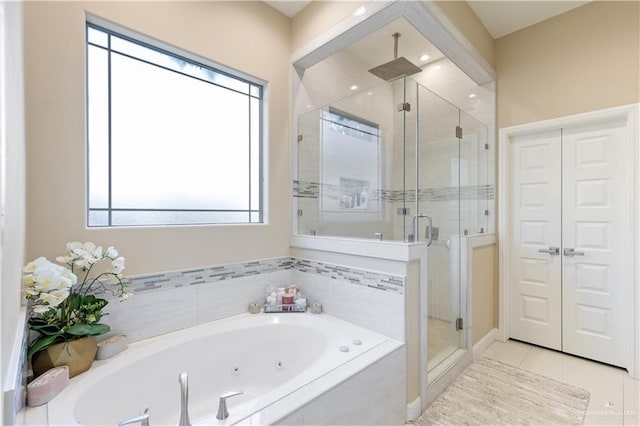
column 42, row 343
column 88, row 329
column 43, row 327
column 48, row 329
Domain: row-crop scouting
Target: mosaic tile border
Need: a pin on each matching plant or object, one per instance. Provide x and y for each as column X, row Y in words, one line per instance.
column 176, row 279
column 305, row 189
column 363, row 277
column 207, row 275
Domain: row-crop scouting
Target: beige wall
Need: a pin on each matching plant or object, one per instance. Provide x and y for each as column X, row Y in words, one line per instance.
column 249, row 36
column 318, row 17
column 484, row 291
column 583, row 60
column 467, row 22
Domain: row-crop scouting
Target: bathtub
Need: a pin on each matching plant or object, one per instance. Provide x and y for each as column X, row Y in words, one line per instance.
column 280, row 361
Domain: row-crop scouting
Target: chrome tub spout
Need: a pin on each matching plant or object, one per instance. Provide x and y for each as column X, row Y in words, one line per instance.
column 184, row 400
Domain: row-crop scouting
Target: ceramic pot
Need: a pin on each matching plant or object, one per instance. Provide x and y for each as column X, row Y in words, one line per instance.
column 77, row 354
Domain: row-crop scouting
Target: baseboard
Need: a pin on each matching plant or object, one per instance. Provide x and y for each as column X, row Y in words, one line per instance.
column 484, row 343
column 413, row 410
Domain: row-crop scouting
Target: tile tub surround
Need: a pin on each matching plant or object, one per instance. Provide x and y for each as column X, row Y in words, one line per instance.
column 166, row 302
column 374, row 396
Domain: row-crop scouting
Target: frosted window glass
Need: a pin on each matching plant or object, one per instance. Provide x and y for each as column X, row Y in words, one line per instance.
column 99, row 218
column 141, row 218
column 167, row 146
column 193, row 154
column 97, row 37
column 181, row 65
column 98, row 128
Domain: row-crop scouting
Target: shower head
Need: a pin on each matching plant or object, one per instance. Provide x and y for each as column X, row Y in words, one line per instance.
column 397, row 67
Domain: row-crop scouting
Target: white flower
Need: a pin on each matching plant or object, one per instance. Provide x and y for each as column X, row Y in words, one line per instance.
column 47, row 282
column 41, row 309
column 27, row 280
column 117, row 265
column 111, row 253
column 53, row 298
column 73, row 245
column 35, row 264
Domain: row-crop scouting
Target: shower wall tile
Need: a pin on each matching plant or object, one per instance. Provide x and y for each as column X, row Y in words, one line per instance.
column 234, row 296
column 152, row 313
column 371, row 307
column 166, row 302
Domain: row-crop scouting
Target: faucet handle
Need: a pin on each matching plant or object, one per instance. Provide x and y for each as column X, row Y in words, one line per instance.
column 230, row 394
column 143, row 419
column 223, row 413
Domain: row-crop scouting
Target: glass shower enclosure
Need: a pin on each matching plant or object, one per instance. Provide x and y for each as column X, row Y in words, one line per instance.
column 396, row 162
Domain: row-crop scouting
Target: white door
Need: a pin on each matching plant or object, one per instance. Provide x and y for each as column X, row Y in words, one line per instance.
column 596, row 286
column 570, row 191
column 536, row 287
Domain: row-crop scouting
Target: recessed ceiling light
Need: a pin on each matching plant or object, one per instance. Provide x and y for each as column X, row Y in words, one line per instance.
column 473, row 95
column 369, row 93
column 424, row 57
column 359, row 11
column 437, row 67
column 354, row 87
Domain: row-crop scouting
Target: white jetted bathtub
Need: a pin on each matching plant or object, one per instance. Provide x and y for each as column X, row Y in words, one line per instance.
column 279, row 361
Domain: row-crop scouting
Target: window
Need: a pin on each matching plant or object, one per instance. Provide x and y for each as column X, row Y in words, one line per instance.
column 350, row 163
column 170, row 141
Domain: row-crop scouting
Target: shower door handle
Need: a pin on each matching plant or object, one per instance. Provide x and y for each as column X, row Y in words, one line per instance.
column 429, row 235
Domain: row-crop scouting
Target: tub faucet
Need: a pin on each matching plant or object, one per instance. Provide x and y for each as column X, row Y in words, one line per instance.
column 222, row 407
column 184, row 400
column 143, row 419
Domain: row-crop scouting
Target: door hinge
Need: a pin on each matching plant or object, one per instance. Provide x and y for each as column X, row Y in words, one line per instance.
column 459, row 324
column 299, row 212
column 299, row 138
column 458, row 132
column 486, row 212
column 403, row 211
column 486, row 146
column 406, row 106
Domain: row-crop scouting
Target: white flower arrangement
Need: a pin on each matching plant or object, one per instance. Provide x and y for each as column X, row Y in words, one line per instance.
column 63, row 304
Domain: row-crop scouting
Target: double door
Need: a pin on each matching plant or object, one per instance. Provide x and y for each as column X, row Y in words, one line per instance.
column 571, row 284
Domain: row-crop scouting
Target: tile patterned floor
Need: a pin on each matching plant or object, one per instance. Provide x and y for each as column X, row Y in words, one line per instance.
column 615, row 397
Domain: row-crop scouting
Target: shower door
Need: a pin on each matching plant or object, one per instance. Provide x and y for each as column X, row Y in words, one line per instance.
column 439, row 171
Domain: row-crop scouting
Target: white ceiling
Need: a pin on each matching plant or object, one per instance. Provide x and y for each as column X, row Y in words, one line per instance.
column 499, row 17
column 288, row 7
column 377, row 48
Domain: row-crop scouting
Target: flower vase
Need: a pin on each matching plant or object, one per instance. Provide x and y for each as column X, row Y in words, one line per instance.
column 77, row 354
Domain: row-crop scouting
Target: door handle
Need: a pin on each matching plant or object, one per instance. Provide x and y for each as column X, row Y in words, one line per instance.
column 551, row 250
column 572, row 252
column 429, row 231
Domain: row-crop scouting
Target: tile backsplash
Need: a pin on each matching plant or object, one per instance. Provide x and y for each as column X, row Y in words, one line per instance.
column 166, row 302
